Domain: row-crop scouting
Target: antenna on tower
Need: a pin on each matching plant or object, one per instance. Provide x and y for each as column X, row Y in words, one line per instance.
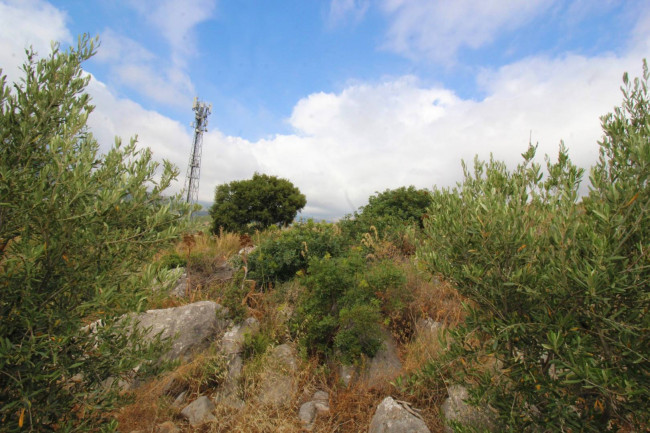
column 201, row 113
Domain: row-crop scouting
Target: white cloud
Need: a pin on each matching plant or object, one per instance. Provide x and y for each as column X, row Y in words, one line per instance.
column 344, row 10
column 368, row 138
column 25, row 23
column 175, row 21
column 438, row 29
column 133, row 66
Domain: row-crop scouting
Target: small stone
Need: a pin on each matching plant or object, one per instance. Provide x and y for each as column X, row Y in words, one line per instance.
column 307, row 415
column 232, row 342
column 428, row 326
column 199, row 411
column 321, row 401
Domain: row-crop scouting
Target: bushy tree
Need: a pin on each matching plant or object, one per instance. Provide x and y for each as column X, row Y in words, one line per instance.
column 404, row 204
column 257, row 203
column 559, row 288
column 390, row 212
column 76, row 228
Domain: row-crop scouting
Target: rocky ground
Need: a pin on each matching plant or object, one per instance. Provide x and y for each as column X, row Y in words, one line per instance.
column 231, row 377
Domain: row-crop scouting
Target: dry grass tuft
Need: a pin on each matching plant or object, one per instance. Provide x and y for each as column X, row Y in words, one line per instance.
column 224, row 244
column 434, row 298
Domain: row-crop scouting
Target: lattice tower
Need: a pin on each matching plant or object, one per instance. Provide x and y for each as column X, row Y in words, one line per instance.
column 201, row 113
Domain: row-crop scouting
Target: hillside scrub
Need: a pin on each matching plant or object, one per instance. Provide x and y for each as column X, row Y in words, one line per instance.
column 77, row 230
column 559, row 285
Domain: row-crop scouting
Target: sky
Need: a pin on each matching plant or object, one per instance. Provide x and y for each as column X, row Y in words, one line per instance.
column 344, row 98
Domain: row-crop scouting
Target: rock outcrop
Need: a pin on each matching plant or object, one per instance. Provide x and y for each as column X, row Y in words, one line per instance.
column 381, row 368
column 232, row 346
column 278, row 384
column 456, row 409
column 191, row 327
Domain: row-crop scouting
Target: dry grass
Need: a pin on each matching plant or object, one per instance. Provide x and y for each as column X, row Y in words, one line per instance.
column 434, row 298
column 224, row 244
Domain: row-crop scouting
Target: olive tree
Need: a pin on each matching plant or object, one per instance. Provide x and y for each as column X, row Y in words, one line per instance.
column 558, row 285
column 76, row 230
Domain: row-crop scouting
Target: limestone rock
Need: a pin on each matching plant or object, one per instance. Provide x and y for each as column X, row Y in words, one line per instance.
column 393, row 417
column 284, row 356
column 278, row 385
column 307, row 415
column 180, row 288
column 384, row 366
column 199, row 411
column 277, row 389
column 456, row 409
column 179, row 400
column 192, row 327
column 232, row 345
column 222, row 272
column 318, row 405
column 321, row 401
column 347, row 373
column 428, row 327
column 233, row 340
column 247, row 250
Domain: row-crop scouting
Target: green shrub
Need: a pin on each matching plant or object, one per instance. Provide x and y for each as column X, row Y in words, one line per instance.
column 340, row 310
column 76, row 230
column 560, row 288
column 282, row 255
column 172, row 260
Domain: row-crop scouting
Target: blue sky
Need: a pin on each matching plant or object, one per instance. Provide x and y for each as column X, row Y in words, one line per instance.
column 345, row 97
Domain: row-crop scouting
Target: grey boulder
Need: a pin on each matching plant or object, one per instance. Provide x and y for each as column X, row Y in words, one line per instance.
column 393, row 417
column 199, row 411
column 191, row 327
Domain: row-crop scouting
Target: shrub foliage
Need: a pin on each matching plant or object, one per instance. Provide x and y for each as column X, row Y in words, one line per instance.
column 559, row 286
column 75, row 230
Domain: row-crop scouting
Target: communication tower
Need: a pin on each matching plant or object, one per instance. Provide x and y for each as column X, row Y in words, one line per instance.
column 200, row 124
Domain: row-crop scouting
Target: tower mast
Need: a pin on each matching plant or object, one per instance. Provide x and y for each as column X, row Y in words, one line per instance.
column 201, row 113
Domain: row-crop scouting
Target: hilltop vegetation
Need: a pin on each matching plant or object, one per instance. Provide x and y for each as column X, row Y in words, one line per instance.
column 542, row 294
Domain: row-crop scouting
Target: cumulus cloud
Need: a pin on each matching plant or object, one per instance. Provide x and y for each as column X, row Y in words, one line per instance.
column 133, row 66
column 28, row 23
column 438, row 29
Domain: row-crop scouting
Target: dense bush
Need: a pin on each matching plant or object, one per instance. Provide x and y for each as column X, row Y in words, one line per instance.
column 393, row 217
column 76, row 228
column 559, row 287
column 339, row 309
column 283, row 254
column 255, row 204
